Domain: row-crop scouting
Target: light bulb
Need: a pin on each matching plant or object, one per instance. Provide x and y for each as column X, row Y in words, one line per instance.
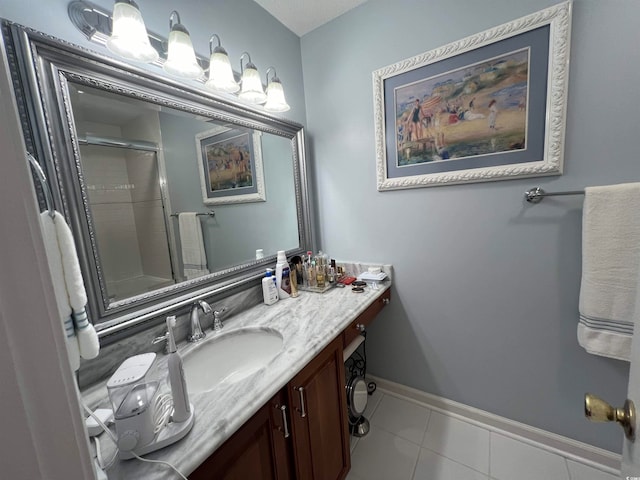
column 220, row 72
column 129, row 37
column 275, row 97
column 181, row 59
column 251, row 85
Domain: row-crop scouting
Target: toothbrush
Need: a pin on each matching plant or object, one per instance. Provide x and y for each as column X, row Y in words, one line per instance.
column 181, row 407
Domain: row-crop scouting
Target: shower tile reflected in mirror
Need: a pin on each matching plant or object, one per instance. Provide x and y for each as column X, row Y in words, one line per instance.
column 129, row 219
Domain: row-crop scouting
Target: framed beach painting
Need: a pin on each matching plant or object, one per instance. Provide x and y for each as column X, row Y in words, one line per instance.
column 230, row 165
column 491, row 106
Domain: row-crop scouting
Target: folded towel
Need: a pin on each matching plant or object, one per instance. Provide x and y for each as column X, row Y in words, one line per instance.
column 610, row 269
column 194, row 258
column 69, row 289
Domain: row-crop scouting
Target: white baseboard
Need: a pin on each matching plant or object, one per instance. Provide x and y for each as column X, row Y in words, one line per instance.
column 580, row 452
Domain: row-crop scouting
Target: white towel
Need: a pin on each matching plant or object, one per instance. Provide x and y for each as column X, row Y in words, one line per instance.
column 610, row 269
column 68, row 287
column 88, row 342
column 194, row 258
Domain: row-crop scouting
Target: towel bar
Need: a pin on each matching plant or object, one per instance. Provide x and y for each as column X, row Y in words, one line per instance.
column 43, row 182
column 536, row 194
column 209, row 214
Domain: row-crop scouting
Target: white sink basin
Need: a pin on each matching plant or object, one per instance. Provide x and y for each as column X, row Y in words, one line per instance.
column 229, row 357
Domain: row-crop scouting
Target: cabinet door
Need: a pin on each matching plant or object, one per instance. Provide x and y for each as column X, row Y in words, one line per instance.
column 319, row 418
column 259, row 450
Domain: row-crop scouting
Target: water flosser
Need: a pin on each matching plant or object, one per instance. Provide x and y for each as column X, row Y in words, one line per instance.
column 181, row 407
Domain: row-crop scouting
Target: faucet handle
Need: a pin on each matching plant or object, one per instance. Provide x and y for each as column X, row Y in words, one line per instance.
column 217, row 323
column 160, row 339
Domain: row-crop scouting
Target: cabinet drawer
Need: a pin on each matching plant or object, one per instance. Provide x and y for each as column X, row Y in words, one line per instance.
column 365, row 318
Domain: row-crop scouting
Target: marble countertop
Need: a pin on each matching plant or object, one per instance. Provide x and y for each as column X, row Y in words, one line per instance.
column 307, row 323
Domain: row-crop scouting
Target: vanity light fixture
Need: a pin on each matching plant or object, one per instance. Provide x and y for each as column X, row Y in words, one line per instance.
column 220, row 72
column 129, row 37
column 251, row 85
column 124, row 33
column 275, row 94
column 181, row 58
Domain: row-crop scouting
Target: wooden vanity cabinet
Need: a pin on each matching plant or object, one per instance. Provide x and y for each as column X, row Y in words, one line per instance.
column 319, row 417
column 302, row 432
column 259, row 450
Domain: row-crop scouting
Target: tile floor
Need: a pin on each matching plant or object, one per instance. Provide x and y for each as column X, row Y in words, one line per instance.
column 408, row 441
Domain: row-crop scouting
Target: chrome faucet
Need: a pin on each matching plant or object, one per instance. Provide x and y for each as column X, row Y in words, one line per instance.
column 217, row 323
column 196, row 329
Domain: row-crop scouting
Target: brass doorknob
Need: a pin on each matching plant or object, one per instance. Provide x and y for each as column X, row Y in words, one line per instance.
column 597, row 410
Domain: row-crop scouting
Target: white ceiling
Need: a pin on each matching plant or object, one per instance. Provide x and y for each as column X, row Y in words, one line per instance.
column 302, row 16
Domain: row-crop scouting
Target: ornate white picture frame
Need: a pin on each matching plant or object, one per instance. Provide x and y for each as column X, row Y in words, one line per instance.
column 491, row 106
column 230, row 166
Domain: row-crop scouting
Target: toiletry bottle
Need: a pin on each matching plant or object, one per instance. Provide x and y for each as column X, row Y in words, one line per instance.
column 269, row 289
column 311, row 275
column 283, row 272
column 320, row 276
column 181, row 407
column 294, row 283
column 295, row 264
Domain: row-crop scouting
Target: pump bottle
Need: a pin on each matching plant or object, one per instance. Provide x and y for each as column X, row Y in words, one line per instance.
column 269, row 288
column 283, row 280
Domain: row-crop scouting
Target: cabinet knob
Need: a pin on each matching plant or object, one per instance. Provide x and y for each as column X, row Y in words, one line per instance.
column 385, row 301
column 360, row 327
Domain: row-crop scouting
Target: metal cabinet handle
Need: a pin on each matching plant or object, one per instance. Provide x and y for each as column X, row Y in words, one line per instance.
column 360, row 327
column 302, row 411
column 385, row 301
column 283, row 409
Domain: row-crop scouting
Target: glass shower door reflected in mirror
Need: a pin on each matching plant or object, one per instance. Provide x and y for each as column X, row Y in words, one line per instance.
column 129, row 219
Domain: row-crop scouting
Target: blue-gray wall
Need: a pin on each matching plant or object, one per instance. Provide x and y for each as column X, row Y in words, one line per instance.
column 484, row 307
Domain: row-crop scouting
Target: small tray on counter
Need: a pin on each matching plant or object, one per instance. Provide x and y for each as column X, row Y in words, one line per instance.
column 306, row 288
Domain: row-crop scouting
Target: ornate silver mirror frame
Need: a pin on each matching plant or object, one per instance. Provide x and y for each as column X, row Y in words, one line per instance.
column 41, row 67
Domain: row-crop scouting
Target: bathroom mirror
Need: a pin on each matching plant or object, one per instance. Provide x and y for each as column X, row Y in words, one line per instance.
column 127, row 152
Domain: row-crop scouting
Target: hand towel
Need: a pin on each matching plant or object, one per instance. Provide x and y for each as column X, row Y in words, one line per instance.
column 69, row 290
column 54, row 259
column 610, row 269
column 87, row 337
column 194, row 258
